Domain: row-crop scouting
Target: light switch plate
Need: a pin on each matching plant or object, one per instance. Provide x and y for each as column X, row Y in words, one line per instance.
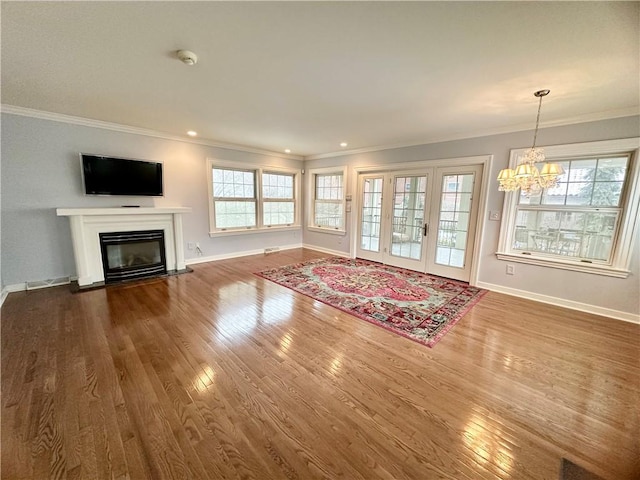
column 494, row 215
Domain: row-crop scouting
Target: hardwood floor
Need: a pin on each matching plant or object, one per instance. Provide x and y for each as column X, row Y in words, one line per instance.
column 222, row 374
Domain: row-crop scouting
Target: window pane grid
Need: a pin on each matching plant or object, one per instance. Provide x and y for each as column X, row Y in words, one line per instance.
column 235, row 214
column 582, row 234
column 408, row 213
column 579, row 218
column 278, row 213
column 229, row 183
column 455, row 208
column 238, row 203
column 277, row 185
column 593, row 182
column 328, row 214
column 329, row 187
column 328, row 203
column 371, row 213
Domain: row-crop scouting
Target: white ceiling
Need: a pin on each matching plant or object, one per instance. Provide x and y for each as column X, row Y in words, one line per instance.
column 309, row 75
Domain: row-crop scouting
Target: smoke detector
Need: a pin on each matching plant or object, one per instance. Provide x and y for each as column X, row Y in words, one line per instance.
column 187, row 57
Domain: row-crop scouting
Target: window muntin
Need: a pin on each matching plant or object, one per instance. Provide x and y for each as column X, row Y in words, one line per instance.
column 625, row 225
column 328, row 205
column 234, row 198
column 252, row 199
column 594, row 182
column 579, row 218
column 278, row 199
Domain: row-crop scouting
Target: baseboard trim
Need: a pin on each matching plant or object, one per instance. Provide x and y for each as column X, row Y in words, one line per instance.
column 326, row 250
column 245, row 253
column 16, row 287
column 561, row 302
column 3, row 295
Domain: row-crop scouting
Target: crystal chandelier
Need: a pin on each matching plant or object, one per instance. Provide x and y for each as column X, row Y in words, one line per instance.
column 526, row 176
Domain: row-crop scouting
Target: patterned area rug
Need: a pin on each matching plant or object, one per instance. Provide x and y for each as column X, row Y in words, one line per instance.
column 418, row 306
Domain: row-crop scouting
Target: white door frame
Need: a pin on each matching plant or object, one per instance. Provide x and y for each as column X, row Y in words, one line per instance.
column 433, row 266
column 485, row 160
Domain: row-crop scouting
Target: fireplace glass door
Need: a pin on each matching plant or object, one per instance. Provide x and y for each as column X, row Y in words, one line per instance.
column 130, row 255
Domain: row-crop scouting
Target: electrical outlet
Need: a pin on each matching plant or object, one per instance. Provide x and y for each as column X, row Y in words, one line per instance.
column 191, row 246
column 511, row 269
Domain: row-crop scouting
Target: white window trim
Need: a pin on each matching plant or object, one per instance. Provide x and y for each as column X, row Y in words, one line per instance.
column 621, row 260
column 311, row 193
column 259, row 170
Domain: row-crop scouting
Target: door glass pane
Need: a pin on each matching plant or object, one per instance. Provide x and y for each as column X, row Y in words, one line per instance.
column 408, row 216
column 371, row 212
column 453, row 220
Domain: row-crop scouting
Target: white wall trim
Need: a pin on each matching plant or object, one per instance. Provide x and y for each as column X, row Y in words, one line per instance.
column 16, row 287
column 620, row 263
column 485, row 161
column 88, row 122
column 246, row 253
column 561, row 302
column 523, row 127
column 337, row 253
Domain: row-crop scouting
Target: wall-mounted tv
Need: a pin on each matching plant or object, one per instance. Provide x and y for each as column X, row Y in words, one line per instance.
column 121, row 176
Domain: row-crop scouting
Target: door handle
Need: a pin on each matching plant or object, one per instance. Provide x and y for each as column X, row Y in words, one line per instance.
column 425, row 229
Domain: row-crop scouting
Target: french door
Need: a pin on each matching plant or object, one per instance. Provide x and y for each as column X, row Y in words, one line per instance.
column 421, row 220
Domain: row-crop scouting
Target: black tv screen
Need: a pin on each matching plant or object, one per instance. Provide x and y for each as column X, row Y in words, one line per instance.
column 121, row 176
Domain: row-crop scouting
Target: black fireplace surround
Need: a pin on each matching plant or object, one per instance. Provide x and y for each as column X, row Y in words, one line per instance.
column 132, row 255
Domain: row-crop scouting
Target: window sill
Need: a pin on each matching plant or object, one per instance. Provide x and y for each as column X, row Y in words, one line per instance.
column 250, row 231
column 332, row 231
column 593, row 268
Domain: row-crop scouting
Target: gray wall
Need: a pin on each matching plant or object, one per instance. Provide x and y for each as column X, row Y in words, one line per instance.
column 590, row 289
column 41, row 172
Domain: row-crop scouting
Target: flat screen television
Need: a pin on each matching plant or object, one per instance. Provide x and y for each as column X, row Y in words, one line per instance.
column 121, row 176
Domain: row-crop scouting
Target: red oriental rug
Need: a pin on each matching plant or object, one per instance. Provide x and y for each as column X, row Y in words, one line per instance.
column 415, row 305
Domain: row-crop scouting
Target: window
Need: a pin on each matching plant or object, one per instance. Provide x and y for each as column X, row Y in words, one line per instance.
column 278, row 199
column 586, row 222
column 328, row 200
column 246, row 200
column 234, row 198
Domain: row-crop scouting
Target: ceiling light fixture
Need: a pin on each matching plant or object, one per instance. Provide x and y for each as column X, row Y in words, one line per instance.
column 526, row 176
column 343, row 144
column 191, row 133
column 286, row 150
column 187, row 57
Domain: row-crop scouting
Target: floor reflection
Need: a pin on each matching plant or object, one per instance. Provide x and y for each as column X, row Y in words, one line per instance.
column 285, row 342
column 336, row 363
column 204, row 380
column 488, row 451
column 237, row 319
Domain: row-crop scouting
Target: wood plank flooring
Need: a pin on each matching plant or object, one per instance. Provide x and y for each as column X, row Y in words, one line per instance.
column 222, row 374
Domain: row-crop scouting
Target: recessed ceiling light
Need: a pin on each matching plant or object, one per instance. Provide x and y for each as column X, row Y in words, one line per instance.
column 343, row 144
column 191, row 133
column 286, row 150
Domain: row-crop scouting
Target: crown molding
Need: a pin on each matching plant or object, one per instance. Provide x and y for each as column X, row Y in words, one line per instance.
column 88, row 122
column 593, row 117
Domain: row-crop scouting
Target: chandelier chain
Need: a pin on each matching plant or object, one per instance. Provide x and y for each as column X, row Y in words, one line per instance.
column 526, row 176
column 535, row 133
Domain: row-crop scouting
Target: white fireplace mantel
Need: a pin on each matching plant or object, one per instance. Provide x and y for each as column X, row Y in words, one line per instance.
column 88, row 223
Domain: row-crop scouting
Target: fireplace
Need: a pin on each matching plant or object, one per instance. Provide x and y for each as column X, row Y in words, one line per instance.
column 131, row 255
column 88, row 223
